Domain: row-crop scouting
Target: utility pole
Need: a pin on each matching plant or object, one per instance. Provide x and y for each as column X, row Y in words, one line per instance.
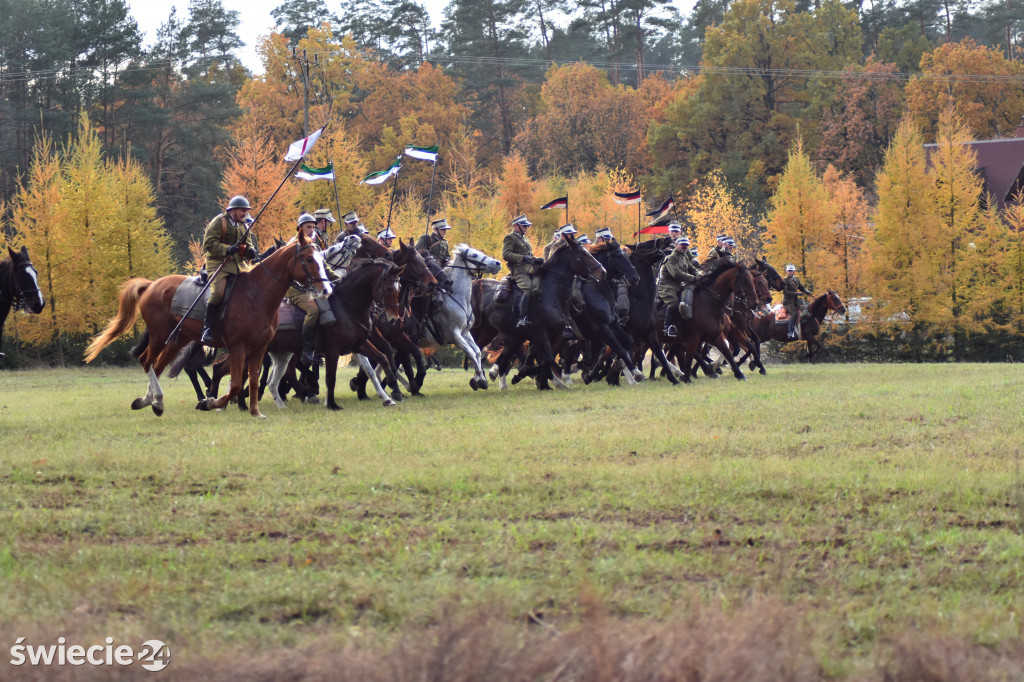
column 303, row 61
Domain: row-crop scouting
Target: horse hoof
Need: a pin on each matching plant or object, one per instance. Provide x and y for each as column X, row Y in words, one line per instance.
column 311, row 400
column 544, row 387
column 205, row 405
column 482, row 384
column 158, row 411
column 493, row 372
column 762, row 371
column 139, row 403
column 638, row 376
column 740, row 376
column 398, row 396
column 260, row 415
column 389, row 403
column 472, row 383
column 352, row 385
column 333, row 407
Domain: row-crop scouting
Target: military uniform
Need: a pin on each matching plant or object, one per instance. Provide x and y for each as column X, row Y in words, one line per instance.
column 677, row 272
column 792, row 289
column 221, row 234
column 715, row 253
column 552, row 246
column 518, row 255
column 434, row 245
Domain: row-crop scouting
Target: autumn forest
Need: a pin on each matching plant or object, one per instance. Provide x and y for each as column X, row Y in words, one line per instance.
column 830, row 135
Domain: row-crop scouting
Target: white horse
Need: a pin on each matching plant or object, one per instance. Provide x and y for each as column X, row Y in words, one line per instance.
column 451, row 321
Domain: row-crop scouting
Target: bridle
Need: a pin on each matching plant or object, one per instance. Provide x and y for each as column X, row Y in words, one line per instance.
column 19, row 296
column 311, row 278
column 475, row 268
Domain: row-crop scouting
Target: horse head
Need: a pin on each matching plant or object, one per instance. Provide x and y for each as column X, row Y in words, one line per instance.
column 744, row 287
column 416, row 270
column 306, row 267
column 25, row 281
column 833, row 302
column 616, row 262
column 764, row 292
column 577, row 259
column 340, row 254
column 387, row 290
column 770, row 274
column 370, row 247
column 475, row 261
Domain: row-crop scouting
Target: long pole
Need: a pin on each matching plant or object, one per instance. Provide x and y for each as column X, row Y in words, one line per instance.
column 394, row 186
column 430, row 197
column 174, row 332
column 334, row 182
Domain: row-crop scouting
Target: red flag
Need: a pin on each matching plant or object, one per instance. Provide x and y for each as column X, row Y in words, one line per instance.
column 660, row 227
column 627, row 198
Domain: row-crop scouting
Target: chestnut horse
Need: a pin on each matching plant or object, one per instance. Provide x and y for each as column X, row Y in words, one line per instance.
column 766, row 327
column 250, row 320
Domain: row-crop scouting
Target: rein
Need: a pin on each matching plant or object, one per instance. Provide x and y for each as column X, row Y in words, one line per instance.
column 309, row 286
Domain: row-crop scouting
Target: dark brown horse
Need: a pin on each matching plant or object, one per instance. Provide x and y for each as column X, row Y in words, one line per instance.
column 250, row 320
column 19, row 286
column 710, row 322
column 767, row 328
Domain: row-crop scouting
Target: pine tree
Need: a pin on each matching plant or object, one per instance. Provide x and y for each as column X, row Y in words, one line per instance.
column 799, row 225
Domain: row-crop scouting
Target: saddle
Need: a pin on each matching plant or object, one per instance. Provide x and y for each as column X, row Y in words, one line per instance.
column 503, row 294
column 291, row 316
column 782, row 317
column 189, row 290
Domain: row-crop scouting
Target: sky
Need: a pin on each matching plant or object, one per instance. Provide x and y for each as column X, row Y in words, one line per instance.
column 256, row 19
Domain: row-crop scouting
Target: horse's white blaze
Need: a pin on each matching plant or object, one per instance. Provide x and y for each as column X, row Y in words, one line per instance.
column 35, row 283
column 325, row 286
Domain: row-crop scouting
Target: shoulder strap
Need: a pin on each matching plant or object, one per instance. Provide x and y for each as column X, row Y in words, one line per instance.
column 223, row 227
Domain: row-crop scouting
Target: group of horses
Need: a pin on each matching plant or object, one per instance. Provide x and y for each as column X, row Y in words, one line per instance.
column 391, row 307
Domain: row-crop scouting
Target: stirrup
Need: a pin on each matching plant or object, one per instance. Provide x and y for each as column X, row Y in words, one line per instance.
column 671, row 330
column 567, row 332
column 522, row 322
column 206, row 336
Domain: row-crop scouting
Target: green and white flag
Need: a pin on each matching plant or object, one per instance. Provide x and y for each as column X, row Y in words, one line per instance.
column 382, row 176
column 309, row 174
column 424, row 153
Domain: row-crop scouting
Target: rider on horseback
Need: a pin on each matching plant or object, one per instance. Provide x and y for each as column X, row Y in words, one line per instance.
column 304, row 299
column 222, row 244
column 517, row 252
column 621, row 306
column 791, row 300
column 351, row 224
column 557, row 241
column 385, row 237
column 675, row 286
column 718, row 250
column 436, row 244
column 324, row 221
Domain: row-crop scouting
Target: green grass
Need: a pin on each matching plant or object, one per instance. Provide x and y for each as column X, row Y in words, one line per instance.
column 875, row 499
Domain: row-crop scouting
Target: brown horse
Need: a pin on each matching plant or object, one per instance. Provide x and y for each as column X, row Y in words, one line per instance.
column 250, row 320
column 766, row 327
column 709, row 322
column 19, row 286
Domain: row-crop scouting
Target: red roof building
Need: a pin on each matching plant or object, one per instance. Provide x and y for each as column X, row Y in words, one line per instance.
column 1001, row 165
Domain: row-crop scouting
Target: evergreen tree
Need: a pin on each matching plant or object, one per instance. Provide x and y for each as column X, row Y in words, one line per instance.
column 295, row 17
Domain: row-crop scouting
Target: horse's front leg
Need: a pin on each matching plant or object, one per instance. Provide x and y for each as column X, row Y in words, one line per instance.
column 723, row 347
column 373, row 355
column 331, row 376
column 255, row 369
column 237, row 362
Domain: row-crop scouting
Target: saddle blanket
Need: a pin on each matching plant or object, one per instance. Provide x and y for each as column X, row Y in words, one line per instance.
column 782, row 317
column 187, row 292
column 289, row 316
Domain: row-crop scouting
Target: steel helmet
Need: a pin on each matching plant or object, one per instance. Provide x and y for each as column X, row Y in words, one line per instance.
column 305, row 218
column 238, row 201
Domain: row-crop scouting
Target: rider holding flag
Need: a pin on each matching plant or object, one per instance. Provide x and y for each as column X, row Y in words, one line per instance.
column 225, row 250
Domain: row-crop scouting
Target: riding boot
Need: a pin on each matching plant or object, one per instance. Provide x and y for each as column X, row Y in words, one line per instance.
column 671, row 315
column 792, row 329
column 524, row 309
column 212, row 313
column 308, row 332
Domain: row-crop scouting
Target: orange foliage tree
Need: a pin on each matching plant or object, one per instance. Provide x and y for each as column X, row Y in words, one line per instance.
column 711, row 209
column 991, row 107
column 844, row 267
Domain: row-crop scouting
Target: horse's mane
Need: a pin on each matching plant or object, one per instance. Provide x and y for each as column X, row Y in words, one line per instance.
column 717, row 268
column 600, row 248
column 6, row 268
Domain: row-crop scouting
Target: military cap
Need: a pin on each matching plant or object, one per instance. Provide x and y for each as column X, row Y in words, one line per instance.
column 350, row 218
column 583, row 239
column 604, row 233
column 684, row 240
column 441, row 224
column 790, row 268
column 521, row 220
column 568, row 228
column 324, row 214
column 729, row 241
column 721, row 237
column 674, row 226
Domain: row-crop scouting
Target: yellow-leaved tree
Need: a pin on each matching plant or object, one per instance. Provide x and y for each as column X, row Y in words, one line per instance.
column 713, row 209
column 37, row 225
column 956, row 191
column 1013, row 264
column 800, row 220
column 905, row 232
column 846, row 259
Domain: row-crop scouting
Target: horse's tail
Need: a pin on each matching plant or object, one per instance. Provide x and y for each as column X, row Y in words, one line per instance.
column 127, row 313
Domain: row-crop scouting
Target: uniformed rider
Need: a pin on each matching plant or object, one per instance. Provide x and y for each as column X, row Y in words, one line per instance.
column 792, row 292
column 675, row 282
column 517, row 252
column 619, row 285
column 324, row 226
column 718, row 250
column 386, row 237
column 226, row 250
column 436, row 242
column 303, row 299
column 350, row 224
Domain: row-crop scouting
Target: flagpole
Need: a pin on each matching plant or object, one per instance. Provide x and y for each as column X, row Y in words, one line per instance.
column 334, row 182
column 430, row 197
column 394, row 187
column 209, row 280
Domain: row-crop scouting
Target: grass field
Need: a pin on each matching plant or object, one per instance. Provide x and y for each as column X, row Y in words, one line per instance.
column 822, row 522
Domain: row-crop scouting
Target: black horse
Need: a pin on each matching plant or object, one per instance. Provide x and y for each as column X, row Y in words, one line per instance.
column 544, row 332
column 19, row 287
column 643, row 315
